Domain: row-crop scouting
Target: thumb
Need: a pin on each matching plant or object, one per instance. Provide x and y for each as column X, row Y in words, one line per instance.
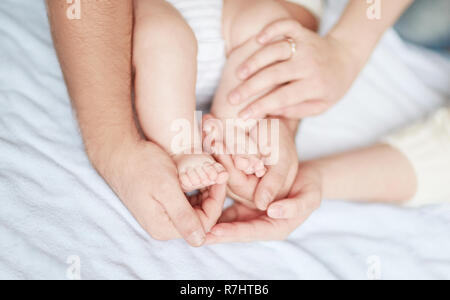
column 269, row 187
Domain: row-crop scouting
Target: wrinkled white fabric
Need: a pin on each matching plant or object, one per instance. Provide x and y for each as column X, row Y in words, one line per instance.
column 54, row 206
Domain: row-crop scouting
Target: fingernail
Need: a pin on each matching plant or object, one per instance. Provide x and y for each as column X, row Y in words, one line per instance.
column 197, row 238
column 276, row 212
column 235, row 97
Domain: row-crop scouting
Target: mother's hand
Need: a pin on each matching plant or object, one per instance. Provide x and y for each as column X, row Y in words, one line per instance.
column 242, row 224
column 303, row 82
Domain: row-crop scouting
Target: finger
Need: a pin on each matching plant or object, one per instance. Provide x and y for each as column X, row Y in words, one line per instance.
column 286, row 27
column 239, row 213
column 276, row 52
column 263, row 81
column 235, row 175
column 222, row 174
column 303, row 110
column 270, row 186
column 212, row 206
column 211, row 172
column 261, row 229
column 230, row 214
column 240, row 186
column 307, row 200
column 285, row 96
column 183, row 215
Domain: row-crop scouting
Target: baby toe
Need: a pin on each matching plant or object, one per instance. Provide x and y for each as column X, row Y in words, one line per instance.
column 194, row 178
column 250, row 171
column 210, row 171
column 261, row 172
column 186, row 182
column 222, row 174
column 204, row 179
column 241, row 163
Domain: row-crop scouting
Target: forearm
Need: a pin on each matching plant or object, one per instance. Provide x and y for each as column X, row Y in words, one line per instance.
column 379, row 173
column 95, row 57
column 360, row 31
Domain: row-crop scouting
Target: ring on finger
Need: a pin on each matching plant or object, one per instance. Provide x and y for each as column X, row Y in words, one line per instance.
column 292, row 45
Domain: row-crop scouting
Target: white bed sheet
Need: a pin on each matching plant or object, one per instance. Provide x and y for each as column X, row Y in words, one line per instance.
column 53, row 204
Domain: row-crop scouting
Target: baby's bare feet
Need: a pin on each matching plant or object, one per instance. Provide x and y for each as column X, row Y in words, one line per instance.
column 198, row 171
column 250, row 164
column 246, row 157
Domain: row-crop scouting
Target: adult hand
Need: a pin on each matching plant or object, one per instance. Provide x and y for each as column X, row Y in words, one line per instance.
column 241, row 224
column 302, row 84
column 146, row 180
column 275, row 184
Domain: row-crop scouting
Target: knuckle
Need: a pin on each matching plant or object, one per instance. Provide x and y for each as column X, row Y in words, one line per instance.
column 283, row 50
column 293, row 24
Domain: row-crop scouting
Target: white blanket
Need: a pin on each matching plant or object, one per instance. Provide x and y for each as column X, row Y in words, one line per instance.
column 54, row 206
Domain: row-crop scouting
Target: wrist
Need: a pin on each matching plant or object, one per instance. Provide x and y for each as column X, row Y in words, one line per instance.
column 312, row 173
column 357, row 53
column 108, row 152
column 290, row 125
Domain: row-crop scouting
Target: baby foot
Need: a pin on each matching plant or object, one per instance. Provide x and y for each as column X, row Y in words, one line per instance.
column 250, row 164
column 198, row 171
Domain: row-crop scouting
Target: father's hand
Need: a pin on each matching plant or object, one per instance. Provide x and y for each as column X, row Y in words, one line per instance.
column 145, row 179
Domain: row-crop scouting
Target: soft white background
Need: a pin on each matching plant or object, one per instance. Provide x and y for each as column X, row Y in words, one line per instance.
column 54, row 205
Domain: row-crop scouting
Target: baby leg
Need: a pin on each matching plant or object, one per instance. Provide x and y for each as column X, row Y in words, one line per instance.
column 165, row 58
column 243, row 20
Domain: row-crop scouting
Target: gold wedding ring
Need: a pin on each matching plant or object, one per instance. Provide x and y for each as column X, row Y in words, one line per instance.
column 293, row 46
